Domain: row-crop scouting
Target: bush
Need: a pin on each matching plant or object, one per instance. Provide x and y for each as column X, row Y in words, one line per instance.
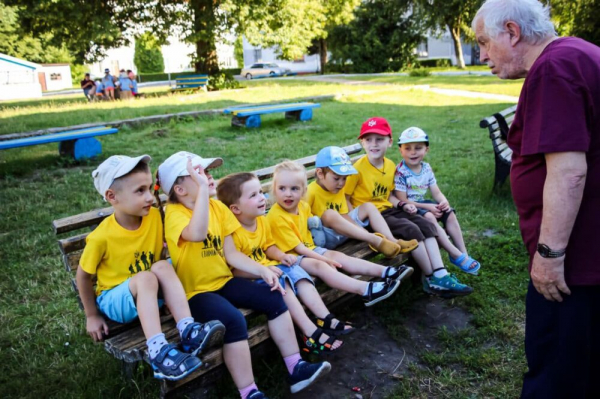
column 419, row 73
column 439, row 62
column 339, row 68
column 222, row 81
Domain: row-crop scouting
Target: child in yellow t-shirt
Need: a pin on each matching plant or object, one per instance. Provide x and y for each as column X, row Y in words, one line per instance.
column 124, row 252
column 199, row 236
column 328, row 202
column 242, row 193
column 288, row 219
column 375, row 183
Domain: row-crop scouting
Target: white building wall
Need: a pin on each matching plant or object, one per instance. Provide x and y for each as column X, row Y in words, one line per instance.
column 443, row 47
column 58, row 77
column 18, row 79
column 253, row 54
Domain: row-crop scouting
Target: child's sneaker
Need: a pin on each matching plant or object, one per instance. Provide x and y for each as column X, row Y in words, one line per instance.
column 407, row 246
column 197, row 337
column 373, row 297
column 445, row 287
column 306, row 373
column 172, row 364
column 255, row 394
column 401, row 273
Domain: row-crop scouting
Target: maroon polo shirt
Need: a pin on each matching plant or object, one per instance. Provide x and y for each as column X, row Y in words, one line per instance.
column 559, row 111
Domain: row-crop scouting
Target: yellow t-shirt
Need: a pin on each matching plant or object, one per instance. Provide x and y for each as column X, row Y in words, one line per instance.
column 288, row 229
column 320, row 200
column 114, row 253
column 254, row 244
column 201, row 266
column 371, row 184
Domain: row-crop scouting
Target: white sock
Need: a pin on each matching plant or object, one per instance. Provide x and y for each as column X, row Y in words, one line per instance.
column 439, row 273
column 376, row 288
column 155, row 344
column 387, row 271
column 183, row 323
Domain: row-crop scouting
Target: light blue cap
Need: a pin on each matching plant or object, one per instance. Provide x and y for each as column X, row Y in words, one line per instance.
column 336, row 159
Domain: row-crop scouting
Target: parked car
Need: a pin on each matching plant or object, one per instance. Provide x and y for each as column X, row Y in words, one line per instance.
column 263, row 70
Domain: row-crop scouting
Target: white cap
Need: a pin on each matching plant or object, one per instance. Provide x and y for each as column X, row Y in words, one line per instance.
column 413, row 135
column 176, row 165
column 114, row 167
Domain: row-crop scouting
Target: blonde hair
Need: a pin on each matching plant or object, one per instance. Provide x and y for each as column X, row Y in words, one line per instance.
column 288, row 166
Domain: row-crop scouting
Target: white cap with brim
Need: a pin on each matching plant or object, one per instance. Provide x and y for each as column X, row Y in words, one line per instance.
column 114, row 167
column 176, row 165
column 413, row 135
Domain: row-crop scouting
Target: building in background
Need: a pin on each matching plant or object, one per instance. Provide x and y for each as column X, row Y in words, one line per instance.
column 442, row 47
column 305, row 64
column 55, row 77
column 18, row 78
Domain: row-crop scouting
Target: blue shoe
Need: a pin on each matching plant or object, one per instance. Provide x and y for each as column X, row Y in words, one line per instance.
column 445, row 287
column 470, row 266
column 182, row 363
column 254, row 394
column 306, row 373
column 198, row 337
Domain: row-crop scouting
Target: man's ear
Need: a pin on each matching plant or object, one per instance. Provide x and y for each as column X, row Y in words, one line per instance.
column 514, row 32
column 111, row 196
column 235, row 209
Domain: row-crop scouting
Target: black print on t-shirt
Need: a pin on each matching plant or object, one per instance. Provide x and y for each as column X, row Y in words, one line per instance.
column 143, row 261
column 257, row 254
column 379, row 191
column 212, row 245
column 333, row 205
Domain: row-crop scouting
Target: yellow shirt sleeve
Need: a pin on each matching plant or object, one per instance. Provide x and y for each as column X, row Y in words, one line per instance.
column 92, row 254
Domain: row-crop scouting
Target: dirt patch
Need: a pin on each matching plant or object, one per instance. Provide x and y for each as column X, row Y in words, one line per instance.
column 372, row 363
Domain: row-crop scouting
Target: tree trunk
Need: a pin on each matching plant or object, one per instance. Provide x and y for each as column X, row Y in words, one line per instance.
column 206, row 61
column 323, row 54
column 460, row 60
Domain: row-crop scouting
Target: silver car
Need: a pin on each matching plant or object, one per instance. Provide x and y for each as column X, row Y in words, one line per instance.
column 263, row 70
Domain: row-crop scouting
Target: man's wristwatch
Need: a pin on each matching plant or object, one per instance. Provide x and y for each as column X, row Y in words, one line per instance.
column 546, row 252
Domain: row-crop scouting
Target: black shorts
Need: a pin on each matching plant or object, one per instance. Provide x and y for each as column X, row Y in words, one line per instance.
column 408, row 227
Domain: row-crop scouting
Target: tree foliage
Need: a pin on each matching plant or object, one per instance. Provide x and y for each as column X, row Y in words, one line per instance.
column 579, row 18
column 382, row 37
column 148, row 56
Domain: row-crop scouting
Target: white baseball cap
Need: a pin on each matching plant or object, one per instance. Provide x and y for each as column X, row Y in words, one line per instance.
column 114, row 167
column 413, row 135
column 176, row 165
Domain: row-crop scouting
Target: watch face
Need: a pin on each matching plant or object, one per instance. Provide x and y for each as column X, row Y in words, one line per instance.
column 543, row 250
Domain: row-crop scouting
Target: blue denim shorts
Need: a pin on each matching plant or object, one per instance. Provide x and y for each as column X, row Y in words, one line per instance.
column 443, row 218
column 118, row 304
column 329, row 238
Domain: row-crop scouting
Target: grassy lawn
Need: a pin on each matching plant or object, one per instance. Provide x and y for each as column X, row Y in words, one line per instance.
column 485, row 84
column 43, row 344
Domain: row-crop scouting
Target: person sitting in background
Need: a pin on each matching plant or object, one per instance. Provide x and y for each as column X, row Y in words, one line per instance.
column 133, row 78
column 125, row 86
column 89, row 87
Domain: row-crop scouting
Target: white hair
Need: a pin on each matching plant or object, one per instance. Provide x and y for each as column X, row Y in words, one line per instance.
column 532, row 17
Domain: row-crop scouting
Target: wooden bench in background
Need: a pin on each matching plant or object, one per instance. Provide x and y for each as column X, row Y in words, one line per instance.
column 127, row 343
column 498, row 126
column 193, row 82
column 78, row 144
column 249, row 116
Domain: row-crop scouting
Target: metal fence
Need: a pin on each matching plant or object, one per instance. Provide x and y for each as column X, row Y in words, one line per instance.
column 17, row 77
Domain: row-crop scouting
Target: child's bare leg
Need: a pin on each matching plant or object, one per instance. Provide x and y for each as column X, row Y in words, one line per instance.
column 238, row 361
column 332, row 277
column 300, row 317
column 453, row 228
column 433, row 251
column 442, row 237
column 421, row 256
column 172, row 289
column 377, row 222
column 337, row 222
column 282, row 332
column 355, row 265
column 144, row 288
column 313, row 301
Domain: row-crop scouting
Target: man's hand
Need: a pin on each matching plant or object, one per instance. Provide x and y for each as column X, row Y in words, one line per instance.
column 96, row 326
column 289, row 260
column 548, row 277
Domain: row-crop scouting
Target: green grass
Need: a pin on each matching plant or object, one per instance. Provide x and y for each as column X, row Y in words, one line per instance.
column 43, row 344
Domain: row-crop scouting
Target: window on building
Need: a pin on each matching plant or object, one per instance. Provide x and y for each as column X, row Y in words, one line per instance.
column 257, row 55
column 301, row 59
column 55, row 76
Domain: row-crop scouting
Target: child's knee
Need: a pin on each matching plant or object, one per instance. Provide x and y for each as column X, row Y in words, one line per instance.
column 161, row 266
column 329, row 217
column 430, row 216
column 145, row 279
column 369, row 208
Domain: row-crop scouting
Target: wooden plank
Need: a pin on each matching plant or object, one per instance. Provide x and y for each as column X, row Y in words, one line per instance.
column 71, row 244
column 485, row 122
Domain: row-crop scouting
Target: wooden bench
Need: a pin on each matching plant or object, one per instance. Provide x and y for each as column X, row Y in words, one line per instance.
column 127, row 343
column 498, row 126
column 193, row 82
column 249, row 116
column 79, row 144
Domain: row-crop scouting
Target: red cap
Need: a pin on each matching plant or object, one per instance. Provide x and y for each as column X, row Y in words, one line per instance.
column 376, row 125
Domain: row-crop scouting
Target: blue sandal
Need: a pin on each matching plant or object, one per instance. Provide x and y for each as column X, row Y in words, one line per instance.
column 466, row 266
column 175, row 371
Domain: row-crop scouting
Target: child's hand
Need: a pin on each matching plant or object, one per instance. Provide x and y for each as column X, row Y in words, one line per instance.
column 443, row 206
column 334, row 264
column 289, row 260
column 436, row 212
column 96, row 326
column 272, row 280
column 410, row 209
column 197, row 174
column 276, row 270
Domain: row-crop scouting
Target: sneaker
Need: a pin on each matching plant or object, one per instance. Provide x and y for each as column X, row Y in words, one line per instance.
column 306, row 373
column 373, row 297
column 180, row 366
column 255, row 394
column 401, row 273
column 445, row 287
column 198, row 337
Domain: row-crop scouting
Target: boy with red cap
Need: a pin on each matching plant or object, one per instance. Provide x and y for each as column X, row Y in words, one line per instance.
column 375, row 183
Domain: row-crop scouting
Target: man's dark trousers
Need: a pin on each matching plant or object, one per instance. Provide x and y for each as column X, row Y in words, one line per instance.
column 562, row 344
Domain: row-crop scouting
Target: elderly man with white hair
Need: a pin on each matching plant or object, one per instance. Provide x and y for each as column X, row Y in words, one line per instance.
column 555, row 180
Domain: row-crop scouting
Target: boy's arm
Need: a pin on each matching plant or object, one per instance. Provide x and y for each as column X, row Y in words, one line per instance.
column 439, row 197
column 239, row 261
column 301, row 249
column 277, row 254
column 95, row 324
column 350, row 207
column 197, row 229
column 400, row 197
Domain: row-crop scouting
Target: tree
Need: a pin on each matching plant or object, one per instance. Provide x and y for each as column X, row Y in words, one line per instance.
column 585, row 12
column 238, row 51
column 382, row 37
column 148, row 55
column 455, row 15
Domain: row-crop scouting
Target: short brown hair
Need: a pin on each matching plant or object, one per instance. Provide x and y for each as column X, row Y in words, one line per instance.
column 229, row 190
column 118, row 183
